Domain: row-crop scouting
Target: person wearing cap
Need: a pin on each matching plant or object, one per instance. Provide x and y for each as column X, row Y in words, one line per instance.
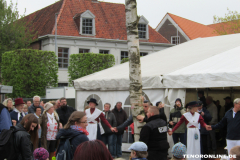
column 17, row 114
column 41, row 154
column 65, row 111
column 232, row 121
column 50, row 125
column 191, row 119
column 138, row 151
column 175, row 115
column 204, row 133
column 94, row 116
column 178, row 151
column 154, row 135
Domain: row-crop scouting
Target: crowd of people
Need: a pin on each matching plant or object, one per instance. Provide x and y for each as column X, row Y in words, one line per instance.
column 44, row 130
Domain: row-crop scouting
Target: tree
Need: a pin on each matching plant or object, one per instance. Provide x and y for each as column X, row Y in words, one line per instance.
column 29, row 71
column 13, row 31
column 135, row 76
column 229, row 24
column 87, row 63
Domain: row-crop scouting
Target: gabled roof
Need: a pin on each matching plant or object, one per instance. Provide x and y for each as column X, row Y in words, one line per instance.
column 110, row 20
column 192, row 29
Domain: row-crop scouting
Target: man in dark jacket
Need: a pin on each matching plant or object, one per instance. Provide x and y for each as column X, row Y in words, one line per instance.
column 232, row 121
column 154, row 134
column 204, row 133
column 121, row 117
column 64, row 111
column 109, row 137
column 36, row 103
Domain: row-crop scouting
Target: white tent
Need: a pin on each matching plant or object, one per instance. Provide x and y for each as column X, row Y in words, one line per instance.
column 199, row 57
column 167, row 74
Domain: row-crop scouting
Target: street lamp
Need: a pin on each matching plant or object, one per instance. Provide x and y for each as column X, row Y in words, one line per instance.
column 177, row 33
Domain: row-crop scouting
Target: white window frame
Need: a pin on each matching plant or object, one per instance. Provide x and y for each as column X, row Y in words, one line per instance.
column 121, row 55
column 178, row 37
column 104, row 50
column 83, row 49
column 89, row 15
column 144, row 21
column 64, row 58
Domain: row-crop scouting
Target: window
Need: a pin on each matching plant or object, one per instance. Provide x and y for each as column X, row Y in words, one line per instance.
column 62, row 84
column 143, row 54
column 87, row 26
column 63, row 57
column 175, row 40
column 124, row 54
column 104, row 51
column 142, row 30
column 84, row 50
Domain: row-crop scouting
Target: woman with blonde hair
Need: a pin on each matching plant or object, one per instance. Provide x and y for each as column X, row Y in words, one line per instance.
column 74, row 129
column 8, row 103
column 50, row 125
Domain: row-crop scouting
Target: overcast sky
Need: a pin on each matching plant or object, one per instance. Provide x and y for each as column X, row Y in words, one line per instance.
column 201, row 11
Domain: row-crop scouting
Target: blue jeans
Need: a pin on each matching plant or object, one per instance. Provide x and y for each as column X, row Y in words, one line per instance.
column 119, row 145
column 111, row 141
column 179, row 137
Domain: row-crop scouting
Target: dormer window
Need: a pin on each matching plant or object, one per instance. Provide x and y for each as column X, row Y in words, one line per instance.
column 143, row 28
column 87, row 24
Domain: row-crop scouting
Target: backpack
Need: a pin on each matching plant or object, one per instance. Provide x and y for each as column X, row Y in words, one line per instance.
column 7, row 146
column 65, row 149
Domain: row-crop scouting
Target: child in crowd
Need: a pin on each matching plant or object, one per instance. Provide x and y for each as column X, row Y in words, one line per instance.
column 235, row 153
column 138, row 151
column 41, row 154
column 178, row 151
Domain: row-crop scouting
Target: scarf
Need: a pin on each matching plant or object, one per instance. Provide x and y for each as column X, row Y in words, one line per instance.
column 80, row 129
column 51, row 118
column 19, row 113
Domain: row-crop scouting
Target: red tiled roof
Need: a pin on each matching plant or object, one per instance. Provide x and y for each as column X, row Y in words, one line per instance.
column 193, row 29
column 230, row 27
column 110, row 20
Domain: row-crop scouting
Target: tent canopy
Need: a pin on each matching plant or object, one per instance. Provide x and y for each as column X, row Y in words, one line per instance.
column 200, row 63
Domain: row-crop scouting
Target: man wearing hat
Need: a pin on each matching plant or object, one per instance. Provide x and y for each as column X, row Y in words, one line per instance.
column 94, row 115
column 17, row 114
column 191, row 119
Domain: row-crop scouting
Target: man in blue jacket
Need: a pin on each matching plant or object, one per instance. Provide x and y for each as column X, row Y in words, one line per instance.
column 232, row 120
column 204, row 133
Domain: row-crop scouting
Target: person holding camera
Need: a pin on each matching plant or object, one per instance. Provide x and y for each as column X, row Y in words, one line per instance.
column 175, row 115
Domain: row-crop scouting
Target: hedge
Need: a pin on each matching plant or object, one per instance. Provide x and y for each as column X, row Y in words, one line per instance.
column 124, row 60
column 29, row 72
column 83, row 64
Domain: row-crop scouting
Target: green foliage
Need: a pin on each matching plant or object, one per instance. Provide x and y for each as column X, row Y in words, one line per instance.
column 13, row 31
column 229, row 24
column 29, row 71
column 87, row 63
column 124, row 60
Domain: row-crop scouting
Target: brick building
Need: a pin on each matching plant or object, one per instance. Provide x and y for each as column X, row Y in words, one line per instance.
column 89, row 26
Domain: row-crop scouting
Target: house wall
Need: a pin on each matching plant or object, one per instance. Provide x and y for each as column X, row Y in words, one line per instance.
column 169, row 30
column 35, row 45
column 114, row 48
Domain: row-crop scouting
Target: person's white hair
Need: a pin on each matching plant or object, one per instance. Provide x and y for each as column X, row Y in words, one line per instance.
column 36, row 97
column 236, row 101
